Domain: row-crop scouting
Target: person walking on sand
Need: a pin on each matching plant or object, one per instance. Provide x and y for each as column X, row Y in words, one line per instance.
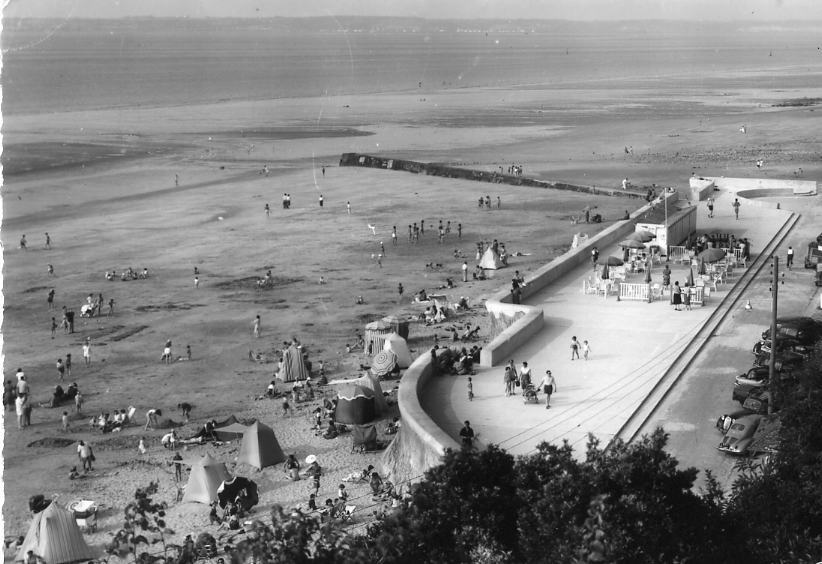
column 549, row 386
column 86, row 456
column 459, row 230
column 736, row 206
column 87, row 351
column 257, row 327
column 594, row 257
column 320, row 200
column 23, row 242
column 68, row 364
column 400, row 290
column 48, row 240
column 53, row 327
column 464, row 271
column 710, row 203
column 166, row 356
column 61, row 369
column 788, row 262
column 267, row 210
column 467, row 435
column 196, row 282
column 470, row 389
column 348, row 207
column 394, row 236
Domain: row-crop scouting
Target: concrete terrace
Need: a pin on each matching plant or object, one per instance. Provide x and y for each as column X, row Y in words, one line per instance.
column 633, row 345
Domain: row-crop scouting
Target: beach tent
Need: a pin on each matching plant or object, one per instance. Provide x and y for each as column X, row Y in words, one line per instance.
column 260, row 447
column 238, row 486
column 490, row 260
column 55, row 537
column 357, row 409
column 399, row 347
column 397, row 325
column 230, row 432
column 293, row 365
column 359, row 400
column 375, row 334
column 206, row 476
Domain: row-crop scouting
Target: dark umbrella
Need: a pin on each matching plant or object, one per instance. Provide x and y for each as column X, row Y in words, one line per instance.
column 690, row 280
column 642, row 235
column 230, row 489
column 712, row 255
column 611, row 261
column 631, row 244
column 605, row 274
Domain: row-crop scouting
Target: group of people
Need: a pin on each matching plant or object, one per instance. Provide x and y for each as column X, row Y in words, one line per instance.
column 286, row 201
column 19, row 396
column 415, row 231
column 523, row 379
column 127, row 274
column 486, row 202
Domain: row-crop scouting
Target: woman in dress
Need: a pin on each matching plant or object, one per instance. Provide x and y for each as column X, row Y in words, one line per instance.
column 676, row 296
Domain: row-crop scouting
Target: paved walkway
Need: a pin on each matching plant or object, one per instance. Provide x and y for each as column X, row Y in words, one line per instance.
column 633, row 343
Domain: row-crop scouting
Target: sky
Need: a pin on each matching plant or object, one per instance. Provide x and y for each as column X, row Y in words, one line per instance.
column 584, row 10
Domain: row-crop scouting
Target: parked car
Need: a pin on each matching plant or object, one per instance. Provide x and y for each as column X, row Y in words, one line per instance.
column 786, row 361
column 804, row 330
column 783, row 345
column 758, row 400
column 739, row 435
column 756, row 377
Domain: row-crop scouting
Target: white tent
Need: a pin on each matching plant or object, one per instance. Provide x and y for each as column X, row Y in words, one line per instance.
column 55, row 537
column 490, row 260
column 399, row 347
column 206, row 476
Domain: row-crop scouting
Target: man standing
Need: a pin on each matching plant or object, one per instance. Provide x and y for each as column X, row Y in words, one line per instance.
column 736, row 205
column 321, row 198
column 86, row 456
column 394, row 236
column 87, row 351
column 574, row 348
column 257, row 327
column 594, row 257
column 48, row 240
column 789, row 262
column 178, row 466
column 467, row 435
column 400, row 290
column 710, row 203
column 524, row 376
column 464, row 271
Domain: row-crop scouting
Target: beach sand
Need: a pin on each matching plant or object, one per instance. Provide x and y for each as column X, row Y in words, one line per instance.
column 102, row 183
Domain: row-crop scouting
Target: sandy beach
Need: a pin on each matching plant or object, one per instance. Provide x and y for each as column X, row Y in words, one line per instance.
column 102, row 184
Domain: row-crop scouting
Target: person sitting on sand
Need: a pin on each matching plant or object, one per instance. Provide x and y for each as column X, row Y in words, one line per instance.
column 331, row 432
column 169, row 440
column 292, row 467
column 376, row 483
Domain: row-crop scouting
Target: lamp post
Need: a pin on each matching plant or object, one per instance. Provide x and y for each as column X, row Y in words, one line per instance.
column 774, row 304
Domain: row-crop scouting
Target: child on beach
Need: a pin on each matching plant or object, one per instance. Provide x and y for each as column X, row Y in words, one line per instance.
column 286, row 407
column 65, row 421
column 470, row 389
column 586, row 350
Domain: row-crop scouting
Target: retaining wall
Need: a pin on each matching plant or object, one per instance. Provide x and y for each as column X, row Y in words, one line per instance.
column 701, row 188
column 420, row 443
column 758, row 187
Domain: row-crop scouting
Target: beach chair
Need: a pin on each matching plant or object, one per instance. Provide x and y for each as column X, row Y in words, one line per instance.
column 85, row 514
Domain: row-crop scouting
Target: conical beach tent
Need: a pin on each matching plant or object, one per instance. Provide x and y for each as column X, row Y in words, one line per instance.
column 490, row 260
column 293, row 366
column 260, row 447
column 399, row 347
column 206, row 476
column 55, row 537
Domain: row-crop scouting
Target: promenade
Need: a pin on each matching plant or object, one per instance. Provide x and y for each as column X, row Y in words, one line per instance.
column 633, row 345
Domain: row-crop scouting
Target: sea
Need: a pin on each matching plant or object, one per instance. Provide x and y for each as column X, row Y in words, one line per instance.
column 53, row 66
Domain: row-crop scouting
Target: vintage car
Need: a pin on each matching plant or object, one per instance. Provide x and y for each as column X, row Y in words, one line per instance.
column 786, row 361
column 801, row 330
column 739, row 434
column 758, row 400
column 756, row 377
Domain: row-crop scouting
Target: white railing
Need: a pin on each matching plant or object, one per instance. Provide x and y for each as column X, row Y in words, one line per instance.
column 677, row 254
column 633, row 291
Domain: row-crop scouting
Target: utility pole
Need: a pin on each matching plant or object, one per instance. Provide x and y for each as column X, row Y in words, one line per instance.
column 772, row 360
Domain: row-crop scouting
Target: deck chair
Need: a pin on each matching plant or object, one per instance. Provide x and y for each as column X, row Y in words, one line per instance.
column 85, row 514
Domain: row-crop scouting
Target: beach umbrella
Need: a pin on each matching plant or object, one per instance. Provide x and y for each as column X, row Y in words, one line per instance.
column 690, row 280
column 712, row 255
column 605, row 274
column 611, row 261
column 642, row 235
column 383, row 363
column 631, row 244
column 311, row 459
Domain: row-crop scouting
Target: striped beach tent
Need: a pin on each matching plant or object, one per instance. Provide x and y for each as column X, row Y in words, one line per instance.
column 293, row 365
column 55, row 537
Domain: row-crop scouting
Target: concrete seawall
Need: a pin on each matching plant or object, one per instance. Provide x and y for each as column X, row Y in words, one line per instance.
column 420, row 443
